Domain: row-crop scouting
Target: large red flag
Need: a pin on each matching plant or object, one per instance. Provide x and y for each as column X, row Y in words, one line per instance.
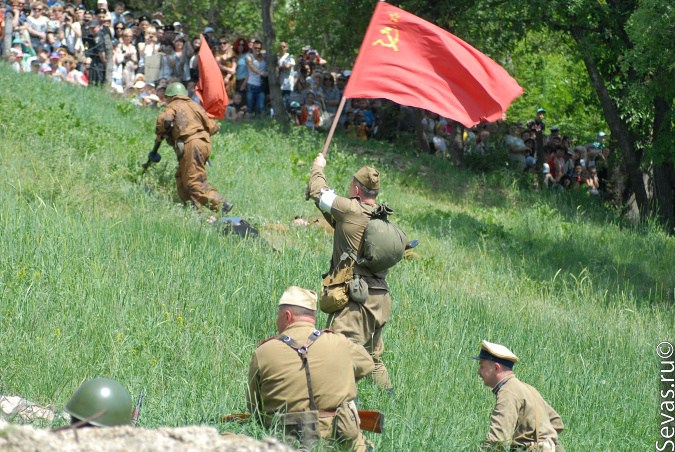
column 413, row 62
column 211, row 87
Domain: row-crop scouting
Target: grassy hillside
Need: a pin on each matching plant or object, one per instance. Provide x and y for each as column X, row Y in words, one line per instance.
column 102, row 273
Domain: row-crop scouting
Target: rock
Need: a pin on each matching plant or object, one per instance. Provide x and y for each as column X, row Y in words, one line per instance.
column 23, row 410
column 20, row 438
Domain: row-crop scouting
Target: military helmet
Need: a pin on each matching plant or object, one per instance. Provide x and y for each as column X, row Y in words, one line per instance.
column 101, row 402
column 175, row 89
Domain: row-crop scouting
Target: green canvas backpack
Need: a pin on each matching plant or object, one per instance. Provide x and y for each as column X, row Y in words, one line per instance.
column 383, row 242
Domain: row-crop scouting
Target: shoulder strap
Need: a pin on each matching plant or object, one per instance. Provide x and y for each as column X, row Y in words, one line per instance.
column 302, row 353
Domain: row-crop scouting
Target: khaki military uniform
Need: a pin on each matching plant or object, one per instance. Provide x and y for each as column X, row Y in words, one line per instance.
column 187, row 128
column 277, row 382
column 522, row 418
column 362, row 323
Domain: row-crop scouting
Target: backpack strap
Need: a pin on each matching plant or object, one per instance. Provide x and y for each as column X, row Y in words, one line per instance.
column 302, row 353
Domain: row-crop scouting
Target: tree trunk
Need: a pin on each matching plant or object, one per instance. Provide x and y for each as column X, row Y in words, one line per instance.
column 664, row 175
column 619, row 128
column 9, row 24
column 271, row 58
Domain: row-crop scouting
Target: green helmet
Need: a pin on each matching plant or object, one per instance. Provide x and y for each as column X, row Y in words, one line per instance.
column 101, row 402
column 175, row 89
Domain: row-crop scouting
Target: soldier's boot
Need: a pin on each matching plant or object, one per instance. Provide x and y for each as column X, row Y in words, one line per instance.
column 380, row 376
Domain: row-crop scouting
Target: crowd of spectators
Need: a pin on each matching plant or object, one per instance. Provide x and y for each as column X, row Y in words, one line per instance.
column 139, row 55
column 564, row 165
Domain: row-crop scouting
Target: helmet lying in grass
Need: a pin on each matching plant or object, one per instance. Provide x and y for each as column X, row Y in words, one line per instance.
column 101, row 402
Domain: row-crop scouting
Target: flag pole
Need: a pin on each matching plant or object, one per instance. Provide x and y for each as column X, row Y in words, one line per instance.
column 324, row 151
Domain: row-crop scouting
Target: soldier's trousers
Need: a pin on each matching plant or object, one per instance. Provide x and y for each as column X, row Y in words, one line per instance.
column 191, row 181
column 363, row 324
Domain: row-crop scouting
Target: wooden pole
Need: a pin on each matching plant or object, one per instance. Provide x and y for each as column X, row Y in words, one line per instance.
column 324, row 151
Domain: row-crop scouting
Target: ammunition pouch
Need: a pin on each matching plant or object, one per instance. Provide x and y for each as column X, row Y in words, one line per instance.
column 358, row 289
column 303, row 426
column 335, row 291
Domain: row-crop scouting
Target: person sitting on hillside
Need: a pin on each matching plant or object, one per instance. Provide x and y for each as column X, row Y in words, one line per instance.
column 578, row 177
column 310, row 112
column 236, row 109
column 549, row 181
column 515, row 145
column 593, row 182
column 73, row 76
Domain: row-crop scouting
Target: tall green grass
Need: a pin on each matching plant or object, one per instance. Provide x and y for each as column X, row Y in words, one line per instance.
column 103, row 273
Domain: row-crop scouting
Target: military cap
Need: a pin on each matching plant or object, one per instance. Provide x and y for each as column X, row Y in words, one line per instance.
column 555, row 129
column 496, row 353
column 368, row 177
column 297, row 296
column 541, row 110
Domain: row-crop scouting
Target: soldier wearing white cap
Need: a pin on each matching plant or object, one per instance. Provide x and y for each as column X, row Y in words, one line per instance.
column 521, row 417
column 306, row 377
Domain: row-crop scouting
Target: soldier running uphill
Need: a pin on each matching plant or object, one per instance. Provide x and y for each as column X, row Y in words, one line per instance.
column 188, row 129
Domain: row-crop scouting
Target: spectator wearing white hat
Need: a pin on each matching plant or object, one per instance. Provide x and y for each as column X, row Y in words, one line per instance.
column 521, row 418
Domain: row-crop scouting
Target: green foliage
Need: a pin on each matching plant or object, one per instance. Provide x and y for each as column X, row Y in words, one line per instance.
column 555, row 79
column 102, row 274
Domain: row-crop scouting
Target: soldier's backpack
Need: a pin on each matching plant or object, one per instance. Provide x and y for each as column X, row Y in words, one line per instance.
column 383, row 244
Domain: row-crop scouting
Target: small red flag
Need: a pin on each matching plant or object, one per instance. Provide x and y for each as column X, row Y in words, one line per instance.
column 412, row 62
column 211, row 87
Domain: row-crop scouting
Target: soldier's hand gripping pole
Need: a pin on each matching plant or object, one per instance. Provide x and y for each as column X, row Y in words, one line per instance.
column 329, row 138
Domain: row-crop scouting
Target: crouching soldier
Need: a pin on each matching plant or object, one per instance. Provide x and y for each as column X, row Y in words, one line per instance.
column 521, row 418
column 305, row 378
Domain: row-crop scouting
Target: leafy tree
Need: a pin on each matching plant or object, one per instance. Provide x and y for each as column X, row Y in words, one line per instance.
column 626, row 49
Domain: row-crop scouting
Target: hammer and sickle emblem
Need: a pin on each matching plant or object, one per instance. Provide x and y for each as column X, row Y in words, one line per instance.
column 392, row 38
